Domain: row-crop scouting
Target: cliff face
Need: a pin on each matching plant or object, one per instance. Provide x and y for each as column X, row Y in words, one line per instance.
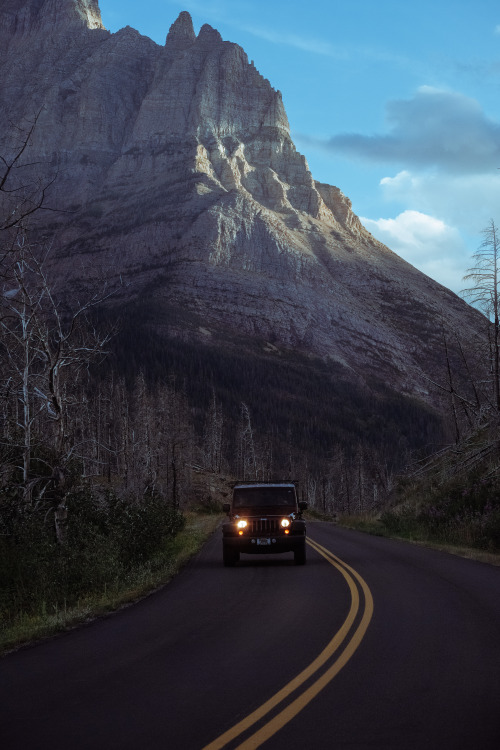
column 22, row 17
column 176, row 174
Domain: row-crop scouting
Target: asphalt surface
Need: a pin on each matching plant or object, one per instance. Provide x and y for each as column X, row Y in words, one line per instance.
column 186, row 664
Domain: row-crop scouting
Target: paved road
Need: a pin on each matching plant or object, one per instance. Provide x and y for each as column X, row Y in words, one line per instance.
column 385, row 645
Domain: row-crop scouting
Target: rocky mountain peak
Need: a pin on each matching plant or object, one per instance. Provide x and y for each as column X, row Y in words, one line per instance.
column 176, row 172
column 181, row 34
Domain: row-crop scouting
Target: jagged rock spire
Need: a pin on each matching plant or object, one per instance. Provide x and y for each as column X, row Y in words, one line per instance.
column 209, row 35
column 181, row 34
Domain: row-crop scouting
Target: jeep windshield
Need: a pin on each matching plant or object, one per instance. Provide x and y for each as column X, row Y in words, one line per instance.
column 253, row 497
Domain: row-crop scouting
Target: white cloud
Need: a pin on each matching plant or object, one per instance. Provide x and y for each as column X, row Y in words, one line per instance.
column 435, row 129
column 441, row 226
column 449, row 184
column 429, row 244
column 465, row 201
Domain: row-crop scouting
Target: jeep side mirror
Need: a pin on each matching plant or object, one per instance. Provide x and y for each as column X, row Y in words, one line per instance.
column 226, row 508
column 302, row 505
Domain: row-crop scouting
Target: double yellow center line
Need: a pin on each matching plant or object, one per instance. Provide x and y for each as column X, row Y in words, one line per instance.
column 334, row 656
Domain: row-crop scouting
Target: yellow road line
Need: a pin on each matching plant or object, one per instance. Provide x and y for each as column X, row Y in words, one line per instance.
column 279, row 721
column 366, row 591
column 299, row 703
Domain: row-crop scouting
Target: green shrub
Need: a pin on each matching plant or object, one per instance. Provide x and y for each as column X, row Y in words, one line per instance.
column 463, row 511
column 106, row 539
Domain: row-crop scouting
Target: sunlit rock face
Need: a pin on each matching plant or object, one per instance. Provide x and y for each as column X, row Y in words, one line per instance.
column 25, row 17
column 176, row 179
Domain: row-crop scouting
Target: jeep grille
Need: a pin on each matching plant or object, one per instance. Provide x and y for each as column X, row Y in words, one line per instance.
column 264, row 525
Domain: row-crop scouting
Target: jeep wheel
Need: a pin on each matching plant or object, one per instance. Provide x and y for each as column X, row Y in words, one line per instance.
column 299, row 555
column 229, row 556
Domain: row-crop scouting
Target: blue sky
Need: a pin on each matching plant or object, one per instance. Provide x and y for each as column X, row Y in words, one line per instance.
column 396, row 103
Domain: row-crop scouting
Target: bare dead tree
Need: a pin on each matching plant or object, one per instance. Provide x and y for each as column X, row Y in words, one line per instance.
column 469, row 399
column 485, row 293
column 475, row 403
column 22, row 192
column 46, row 345
column 247, row 464
column 451, row 388
column 213, row 436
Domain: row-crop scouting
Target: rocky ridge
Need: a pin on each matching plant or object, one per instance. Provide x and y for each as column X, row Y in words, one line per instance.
column 176, row 174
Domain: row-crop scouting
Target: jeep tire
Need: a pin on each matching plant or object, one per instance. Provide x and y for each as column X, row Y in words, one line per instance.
column 230, row 556
column 299, row 555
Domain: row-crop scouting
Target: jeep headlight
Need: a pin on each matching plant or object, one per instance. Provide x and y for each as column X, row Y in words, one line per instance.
column 242, row 524
column 285, row 523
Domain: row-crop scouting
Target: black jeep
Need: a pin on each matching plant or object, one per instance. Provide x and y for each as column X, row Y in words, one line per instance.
column 264, row 518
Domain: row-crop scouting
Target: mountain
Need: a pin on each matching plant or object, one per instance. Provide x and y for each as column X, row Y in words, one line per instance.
column 174, row 177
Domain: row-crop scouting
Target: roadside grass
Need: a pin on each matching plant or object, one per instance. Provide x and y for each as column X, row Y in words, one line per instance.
column 143, row 580
column 373, row 524
column 367, row 522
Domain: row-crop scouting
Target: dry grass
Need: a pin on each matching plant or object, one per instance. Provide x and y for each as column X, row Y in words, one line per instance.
column 29, row 628
column 371, row 524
